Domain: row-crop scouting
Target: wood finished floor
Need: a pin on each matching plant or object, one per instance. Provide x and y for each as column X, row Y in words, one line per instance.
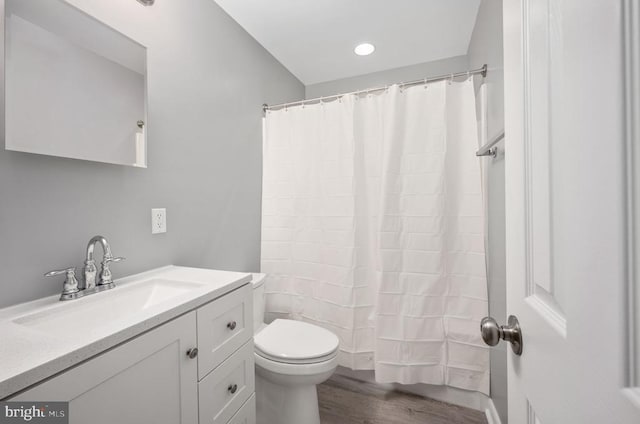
column 343, row 400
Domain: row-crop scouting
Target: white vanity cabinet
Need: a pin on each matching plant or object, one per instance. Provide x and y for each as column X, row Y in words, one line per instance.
column 152, row 379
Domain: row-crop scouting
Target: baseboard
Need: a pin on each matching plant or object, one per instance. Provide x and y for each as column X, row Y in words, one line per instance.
column 492, row 413
column 469, row 399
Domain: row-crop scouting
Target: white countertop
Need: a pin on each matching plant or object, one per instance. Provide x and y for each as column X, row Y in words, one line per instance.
column 29, row 355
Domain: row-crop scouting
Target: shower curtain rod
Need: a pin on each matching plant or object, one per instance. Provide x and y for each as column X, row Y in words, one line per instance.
column 482, row 71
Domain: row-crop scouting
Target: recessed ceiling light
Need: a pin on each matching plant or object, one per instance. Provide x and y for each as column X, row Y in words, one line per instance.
column 364, row 49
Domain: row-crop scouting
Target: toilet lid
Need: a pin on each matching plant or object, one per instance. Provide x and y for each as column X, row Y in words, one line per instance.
column 291, row 341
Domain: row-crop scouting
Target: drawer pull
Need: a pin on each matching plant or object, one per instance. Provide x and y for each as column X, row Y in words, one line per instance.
column 232, row 388
column 232, row 325
column 192, row 353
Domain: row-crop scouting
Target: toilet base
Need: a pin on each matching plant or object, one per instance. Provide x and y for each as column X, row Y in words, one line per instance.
column 280, row 404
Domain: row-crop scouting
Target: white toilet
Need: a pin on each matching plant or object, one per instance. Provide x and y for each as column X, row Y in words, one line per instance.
column 291, row 358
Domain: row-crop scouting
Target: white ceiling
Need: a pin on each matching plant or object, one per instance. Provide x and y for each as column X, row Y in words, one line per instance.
column 314, row 39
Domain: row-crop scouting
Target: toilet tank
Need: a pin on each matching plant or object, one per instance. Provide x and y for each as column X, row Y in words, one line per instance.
column 258, row 300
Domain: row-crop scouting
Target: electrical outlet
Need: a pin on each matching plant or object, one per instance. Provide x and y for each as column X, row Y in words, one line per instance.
column 158, row 221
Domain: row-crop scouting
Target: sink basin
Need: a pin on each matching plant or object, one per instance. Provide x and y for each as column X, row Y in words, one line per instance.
column 102, row 309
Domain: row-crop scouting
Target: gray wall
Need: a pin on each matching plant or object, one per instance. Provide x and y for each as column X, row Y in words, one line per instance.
column 392, row 76
column 486, row 47
column 207, row 81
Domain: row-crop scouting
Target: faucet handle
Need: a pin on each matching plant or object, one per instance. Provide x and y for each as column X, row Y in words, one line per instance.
column 70, row 286
column 60, row 272
column 105, row 274
column 113, row 259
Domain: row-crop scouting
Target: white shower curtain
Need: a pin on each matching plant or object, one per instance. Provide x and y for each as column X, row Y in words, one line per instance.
column 373, row 227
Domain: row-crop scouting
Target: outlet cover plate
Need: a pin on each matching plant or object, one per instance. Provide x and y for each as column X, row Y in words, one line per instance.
column 158, row 221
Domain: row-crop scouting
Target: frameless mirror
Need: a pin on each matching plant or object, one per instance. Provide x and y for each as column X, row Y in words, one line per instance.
column 74, row 87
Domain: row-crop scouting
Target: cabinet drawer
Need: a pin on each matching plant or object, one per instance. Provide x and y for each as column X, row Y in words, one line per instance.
column 223, row 326
column 246, row 414
column 227, row 388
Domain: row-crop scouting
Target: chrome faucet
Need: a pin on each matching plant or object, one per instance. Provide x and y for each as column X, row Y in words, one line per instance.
column 90, row 269
column 72, row 289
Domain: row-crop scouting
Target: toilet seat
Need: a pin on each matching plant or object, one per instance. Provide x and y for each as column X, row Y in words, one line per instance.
column 295, row 342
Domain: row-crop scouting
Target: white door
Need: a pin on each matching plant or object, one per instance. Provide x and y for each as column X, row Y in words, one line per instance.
column 570, row 212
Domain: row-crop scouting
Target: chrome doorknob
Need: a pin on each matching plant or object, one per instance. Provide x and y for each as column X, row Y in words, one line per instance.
column 492, row 333
column 192, row 353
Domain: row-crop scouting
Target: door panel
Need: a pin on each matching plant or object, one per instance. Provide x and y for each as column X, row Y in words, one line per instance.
column 531, row 415
column 632, row 97
column 542, row 56
column 566, row 206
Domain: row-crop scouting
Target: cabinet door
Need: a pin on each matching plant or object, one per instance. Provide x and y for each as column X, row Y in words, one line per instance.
column 149, row 379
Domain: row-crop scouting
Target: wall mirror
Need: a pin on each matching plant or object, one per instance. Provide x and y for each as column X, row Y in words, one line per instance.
column 74, row 87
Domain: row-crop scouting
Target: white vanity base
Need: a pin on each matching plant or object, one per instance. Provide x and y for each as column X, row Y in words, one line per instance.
column 128, row 355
